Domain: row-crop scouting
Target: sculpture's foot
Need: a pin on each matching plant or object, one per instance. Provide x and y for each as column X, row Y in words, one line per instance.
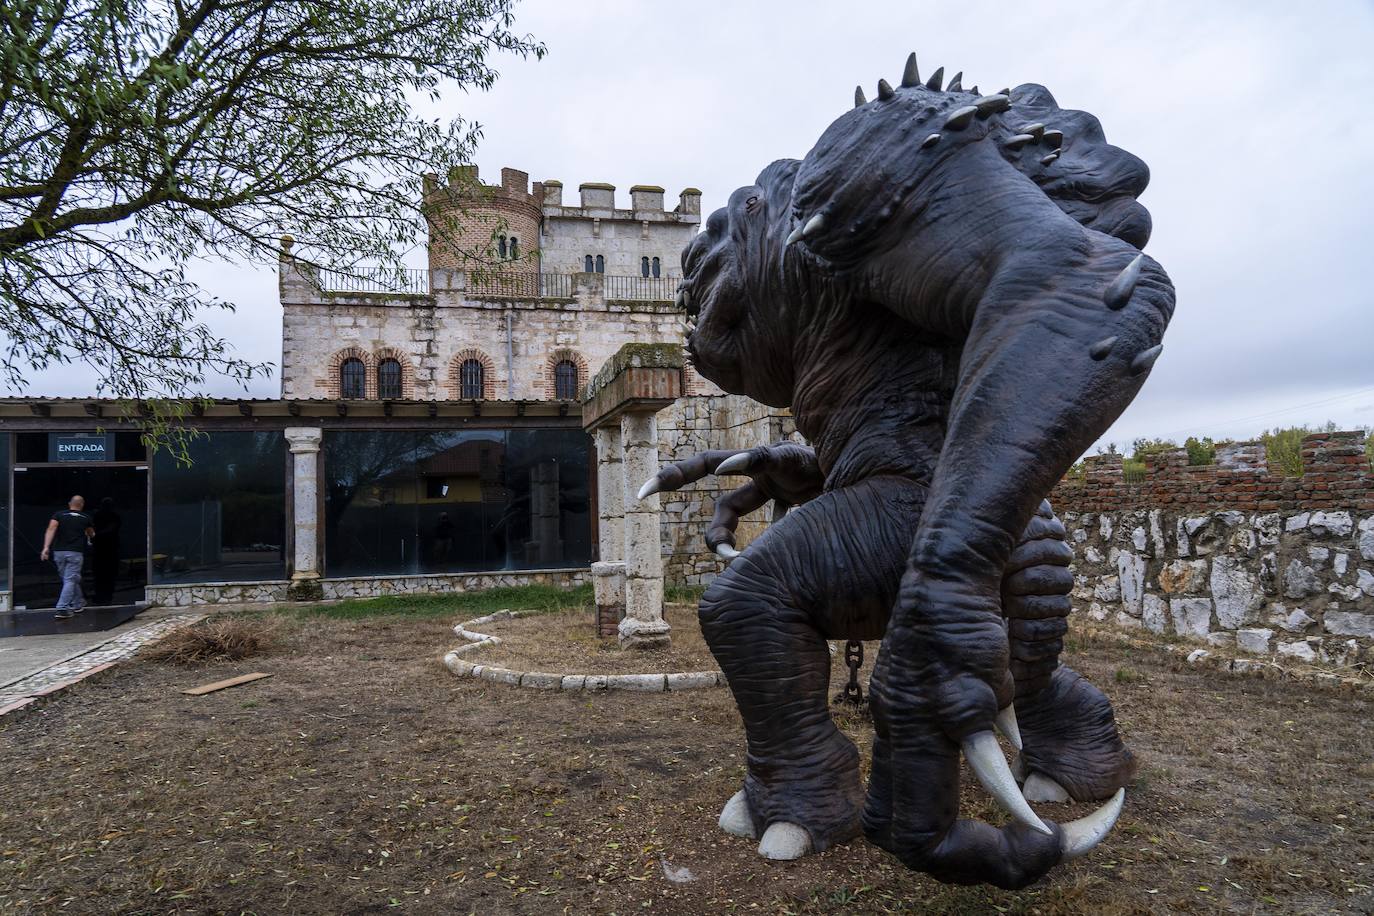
column 1071, row 744
column 784, row 842
column 735, row 817
column 781, row 842
column 1040, row 788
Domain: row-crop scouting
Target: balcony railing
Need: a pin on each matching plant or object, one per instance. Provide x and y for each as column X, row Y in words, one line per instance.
column 664, row 288
column 375, row 280
column 501, row 284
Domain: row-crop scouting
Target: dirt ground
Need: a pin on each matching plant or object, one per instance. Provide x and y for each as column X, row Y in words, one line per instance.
column 364, row 777
column 567, row 644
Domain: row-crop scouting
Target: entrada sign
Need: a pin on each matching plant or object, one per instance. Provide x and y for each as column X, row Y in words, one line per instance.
column 80, row 447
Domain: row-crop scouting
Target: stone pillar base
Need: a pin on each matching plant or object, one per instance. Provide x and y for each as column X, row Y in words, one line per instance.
column 305, row 590
column 608, row 587
column 644, row 634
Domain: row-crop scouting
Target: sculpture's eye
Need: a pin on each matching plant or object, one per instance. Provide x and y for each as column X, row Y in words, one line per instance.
column 750, row 204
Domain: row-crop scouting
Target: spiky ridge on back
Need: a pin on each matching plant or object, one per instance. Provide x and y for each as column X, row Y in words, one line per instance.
column 1063, row 151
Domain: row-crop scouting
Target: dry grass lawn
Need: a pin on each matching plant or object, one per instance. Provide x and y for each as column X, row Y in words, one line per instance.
column 363, row 777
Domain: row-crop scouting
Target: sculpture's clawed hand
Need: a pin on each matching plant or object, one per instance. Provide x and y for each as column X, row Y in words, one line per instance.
column 785, row 473
column 930, row 703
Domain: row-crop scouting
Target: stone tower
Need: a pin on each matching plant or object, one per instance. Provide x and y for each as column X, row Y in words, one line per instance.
column 475, row 226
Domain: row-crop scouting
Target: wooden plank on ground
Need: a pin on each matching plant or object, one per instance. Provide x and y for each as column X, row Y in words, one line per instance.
column 231, row 682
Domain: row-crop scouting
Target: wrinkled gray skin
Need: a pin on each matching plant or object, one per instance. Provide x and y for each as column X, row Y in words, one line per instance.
column 967, row 315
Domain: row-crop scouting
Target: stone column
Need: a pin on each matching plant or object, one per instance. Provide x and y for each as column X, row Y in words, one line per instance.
column 643, row 626
column 304, row 442
column 608, row 575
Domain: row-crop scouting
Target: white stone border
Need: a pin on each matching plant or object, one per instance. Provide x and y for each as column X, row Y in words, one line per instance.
column 544, row 680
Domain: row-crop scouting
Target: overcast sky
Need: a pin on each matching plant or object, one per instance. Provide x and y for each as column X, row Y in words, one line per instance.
column 1254, row 118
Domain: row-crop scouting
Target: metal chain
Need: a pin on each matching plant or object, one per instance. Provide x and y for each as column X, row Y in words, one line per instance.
column 853, row 657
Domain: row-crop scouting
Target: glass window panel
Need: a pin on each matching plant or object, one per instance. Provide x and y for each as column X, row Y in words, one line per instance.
column 600, row 264
column 30, row 448
column 565, row 380
column 4, row 511
column 223, row 517
column 389, row 379
column 352, row 378
column 548, row 514
column 471, row 379
column 455, row 500
column 587, row 264
column 369, row 502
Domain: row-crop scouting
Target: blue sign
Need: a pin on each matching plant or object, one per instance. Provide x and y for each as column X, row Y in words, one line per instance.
column 80, row 447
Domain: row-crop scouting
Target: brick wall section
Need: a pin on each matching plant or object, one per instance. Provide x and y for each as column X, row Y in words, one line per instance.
column 551, row 368
column 455, row 377
column 1336, row 475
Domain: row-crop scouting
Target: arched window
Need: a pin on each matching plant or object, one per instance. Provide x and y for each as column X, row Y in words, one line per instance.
column 588, row 265
column 514, row 248
column 470, row 379
column 352, row 378
column 501, row 246
column 644, row 266
column 565, row 380
column 655, row 267
column 389, row 379
column 600, row 264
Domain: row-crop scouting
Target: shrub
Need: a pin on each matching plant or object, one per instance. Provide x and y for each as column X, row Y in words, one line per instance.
column 218, row 639
column 1201, row 451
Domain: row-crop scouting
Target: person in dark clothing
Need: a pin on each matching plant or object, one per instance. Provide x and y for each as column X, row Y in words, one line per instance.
column 65, row 541
column 105, row 551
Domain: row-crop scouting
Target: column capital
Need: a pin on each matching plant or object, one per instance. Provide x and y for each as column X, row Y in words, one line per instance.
column 302, row 439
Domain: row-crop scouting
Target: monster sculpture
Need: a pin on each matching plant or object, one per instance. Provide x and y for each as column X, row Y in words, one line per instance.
column 948, row 293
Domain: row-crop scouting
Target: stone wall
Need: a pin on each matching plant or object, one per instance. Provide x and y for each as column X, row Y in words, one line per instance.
column 697, row 424
column 361, row 586
column 1295, row 584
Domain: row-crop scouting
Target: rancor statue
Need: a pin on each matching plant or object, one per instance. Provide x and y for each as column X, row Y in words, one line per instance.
column 948, row 293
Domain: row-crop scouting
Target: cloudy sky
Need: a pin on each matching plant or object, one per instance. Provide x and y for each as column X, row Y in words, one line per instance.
column 1253, row 117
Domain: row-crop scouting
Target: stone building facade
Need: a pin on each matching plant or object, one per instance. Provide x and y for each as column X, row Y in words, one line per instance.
column 523, row 298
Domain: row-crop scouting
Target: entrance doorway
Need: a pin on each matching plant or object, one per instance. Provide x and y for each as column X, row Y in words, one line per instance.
column 115, row 571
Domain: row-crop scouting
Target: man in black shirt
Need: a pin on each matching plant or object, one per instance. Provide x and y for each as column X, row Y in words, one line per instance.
column 65, row 540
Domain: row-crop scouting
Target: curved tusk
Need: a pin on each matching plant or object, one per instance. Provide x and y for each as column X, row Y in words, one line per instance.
column 793, row 236
column 1006, row 724
column 651, row 486
column 735, row 464
column 1083, row 834
column 812, row 225
column 726, row 552
column 988, row 764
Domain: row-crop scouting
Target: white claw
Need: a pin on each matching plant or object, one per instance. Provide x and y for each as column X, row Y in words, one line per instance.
column 1006, row 724
column 1083, row 834
column 726, row 552
column 783, row 842
column 1040, row 788
column 735, row 818
column 735, row 464
column 986, row 760
column 651, row 486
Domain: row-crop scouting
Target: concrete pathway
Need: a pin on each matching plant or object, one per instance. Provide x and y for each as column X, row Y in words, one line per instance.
column 35, row 666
